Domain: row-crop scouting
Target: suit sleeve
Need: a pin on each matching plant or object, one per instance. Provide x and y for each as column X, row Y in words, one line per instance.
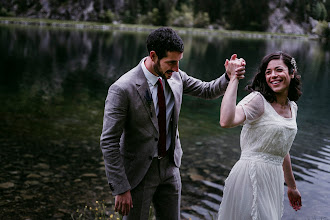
column 115, row 111
column 206, row 90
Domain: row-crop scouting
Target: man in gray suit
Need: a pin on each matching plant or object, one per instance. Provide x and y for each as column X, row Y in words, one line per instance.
column 140, row 139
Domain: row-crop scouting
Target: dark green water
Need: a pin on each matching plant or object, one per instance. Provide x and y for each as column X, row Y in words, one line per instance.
column 52, row 89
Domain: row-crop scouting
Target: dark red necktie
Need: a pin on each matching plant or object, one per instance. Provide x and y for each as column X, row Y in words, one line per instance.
column 161, row 120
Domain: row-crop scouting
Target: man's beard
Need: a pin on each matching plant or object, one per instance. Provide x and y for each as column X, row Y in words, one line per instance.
column 158, row 71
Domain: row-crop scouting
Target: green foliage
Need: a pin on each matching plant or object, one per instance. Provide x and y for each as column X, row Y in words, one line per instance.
column 202, row 20
column 107, row 16
column 318, row 11
column 152, row 17
column 327, row 6
column 248, row 15
column 235, row 14
column 5, row 13
column 323, row 30
column 183, row 18
column 128, row 18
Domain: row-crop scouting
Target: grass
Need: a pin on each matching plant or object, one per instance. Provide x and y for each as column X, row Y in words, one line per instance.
column 101, row 212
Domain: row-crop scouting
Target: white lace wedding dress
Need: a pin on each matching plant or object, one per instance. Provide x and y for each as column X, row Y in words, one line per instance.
column 254, row 188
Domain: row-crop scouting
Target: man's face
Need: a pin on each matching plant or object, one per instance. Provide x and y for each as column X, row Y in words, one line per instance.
column 167, row 65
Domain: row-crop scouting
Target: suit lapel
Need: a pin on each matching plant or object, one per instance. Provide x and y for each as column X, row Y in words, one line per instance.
column 143, row 90
column 177, row 97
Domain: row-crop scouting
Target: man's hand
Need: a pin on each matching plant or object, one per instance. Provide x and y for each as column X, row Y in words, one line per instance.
column 123, row 203
column 235, row 67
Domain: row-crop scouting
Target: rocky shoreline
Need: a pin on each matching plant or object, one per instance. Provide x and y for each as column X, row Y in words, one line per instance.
column 139, row 28
column 39, row 184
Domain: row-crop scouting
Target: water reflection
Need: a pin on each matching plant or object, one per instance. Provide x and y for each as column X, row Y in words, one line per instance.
column 53, row 85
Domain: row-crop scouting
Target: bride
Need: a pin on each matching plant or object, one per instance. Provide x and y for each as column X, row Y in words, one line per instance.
column 254, row 188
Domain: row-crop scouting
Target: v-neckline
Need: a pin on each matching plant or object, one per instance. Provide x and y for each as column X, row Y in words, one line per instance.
column 282, row 115
column 277, row 112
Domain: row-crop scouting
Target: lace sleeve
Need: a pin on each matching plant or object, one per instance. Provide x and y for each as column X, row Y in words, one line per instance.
column 253, row 106
column 295, row 107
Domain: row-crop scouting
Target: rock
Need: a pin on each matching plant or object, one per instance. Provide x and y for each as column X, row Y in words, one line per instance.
column 46, row 180
column 99, row 188
column 31, row 182
column 7, row 185
column 27, row 197
column 89, row 175
column 46, row 173
column 65, row 211
column 4, row 202
column 42, row 166
column 58, row 215
column 196, row 177
column 32, row 175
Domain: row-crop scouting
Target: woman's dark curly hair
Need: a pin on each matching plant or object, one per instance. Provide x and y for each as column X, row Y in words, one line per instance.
column 259, row 81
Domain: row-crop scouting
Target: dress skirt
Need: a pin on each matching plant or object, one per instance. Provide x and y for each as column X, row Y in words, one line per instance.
column 254, row 189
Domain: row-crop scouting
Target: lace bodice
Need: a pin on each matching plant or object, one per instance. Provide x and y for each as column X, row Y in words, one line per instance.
column 264, row 130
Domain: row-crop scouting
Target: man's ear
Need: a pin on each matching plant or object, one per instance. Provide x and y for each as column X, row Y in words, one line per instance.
column 153, row 55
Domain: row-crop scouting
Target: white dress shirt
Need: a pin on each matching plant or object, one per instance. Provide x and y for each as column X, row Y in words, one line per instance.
column 169, row 99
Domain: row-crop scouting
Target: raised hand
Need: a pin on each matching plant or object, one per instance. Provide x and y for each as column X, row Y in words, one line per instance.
column 235, row 67
column 294, row 198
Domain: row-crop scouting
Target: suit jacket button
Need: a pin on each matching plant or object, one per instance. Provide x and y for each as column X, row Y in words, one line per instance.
column 156, row 139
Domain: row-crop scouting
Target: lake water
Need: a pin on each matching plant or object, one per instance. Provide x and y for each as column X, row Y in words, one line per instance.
column 52, row 88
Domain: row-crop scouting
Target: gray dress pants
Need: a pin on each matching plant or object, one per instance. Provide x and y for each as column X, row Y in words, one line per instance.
column 161, row 186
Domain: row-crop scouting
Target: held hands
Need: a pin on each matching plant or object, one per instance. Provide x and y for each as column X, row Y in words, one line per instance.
column 294, row 198
column 123, row 203
column 235, row 68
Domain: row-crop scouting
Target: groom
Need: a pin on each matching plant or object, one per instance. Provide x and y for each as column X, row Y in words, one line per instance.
column 140, row 140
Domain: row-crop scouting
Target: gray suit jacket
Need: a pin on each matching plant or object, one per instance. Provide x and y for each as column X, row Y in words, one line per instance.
column 130, row 126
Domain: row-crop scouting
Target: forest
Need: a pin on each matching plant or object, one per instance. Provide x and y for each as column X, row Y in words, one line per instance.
column 249, row 15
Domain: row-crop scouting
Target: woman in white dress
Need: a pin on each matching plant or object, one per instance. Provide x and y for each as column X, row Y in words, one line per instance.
column 254, row 188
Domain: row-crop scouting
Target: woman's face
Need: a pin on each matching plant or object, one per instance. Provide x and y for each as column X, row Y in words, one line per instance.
column 278, row 77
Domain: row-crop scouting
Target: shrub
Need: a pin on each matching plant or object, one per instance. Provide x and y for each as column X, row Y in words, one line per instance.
column 107, row 16
column 202, row 20
column 323, row 30
column 183, row 18
column 5, row 13
column 152, row 17
column 318, row 11
column 128, row 18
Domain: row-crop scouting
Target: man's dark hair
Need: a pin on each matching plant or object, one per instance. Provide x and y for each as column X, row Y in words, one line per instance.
column 163, row 40
column 259, row 81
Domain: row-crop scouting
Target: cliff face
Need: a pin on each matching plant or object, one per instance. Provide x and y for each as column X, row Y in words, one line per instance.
column 281, row 19
column 82, row 10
